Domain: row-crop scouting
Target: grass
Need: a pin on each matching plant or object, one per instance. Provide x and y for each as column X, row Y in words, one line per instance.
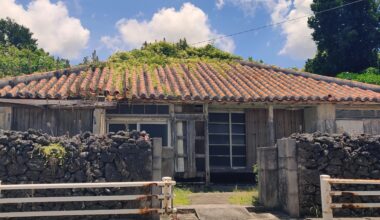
column 181, row 196
column 244, row 197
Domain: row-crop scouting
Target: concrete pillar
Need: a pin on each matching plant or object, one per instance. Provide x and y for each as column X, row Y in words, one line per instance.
column 156, row 166
column 268, row 176
column 167, row 166
column 320, row 118
column 271, row 134
column 99, row 121
column 288, row 176
column 5, row 118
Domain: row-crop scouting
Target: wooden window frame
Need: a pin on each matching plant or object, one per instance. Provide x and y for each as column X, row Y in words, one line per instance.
column 139, row 121
column 230, row 134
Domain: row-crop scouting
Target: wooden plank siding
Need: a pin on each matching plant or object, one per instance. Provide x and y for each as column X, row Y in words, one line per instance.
column 256, row 132
column 287, row 122
column 52, row 121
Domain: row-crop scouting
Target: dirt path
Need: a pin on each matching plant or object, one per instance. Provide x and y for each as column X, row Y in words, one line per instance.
column 210, row 198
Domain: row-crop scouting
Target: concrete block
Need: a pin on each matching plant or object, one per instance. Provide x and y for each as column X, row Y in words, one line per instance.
column 350, row 126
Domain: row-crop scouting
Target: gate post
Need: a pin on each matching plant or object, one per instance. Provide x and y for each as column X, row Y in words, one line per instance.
column 156, row 171
column 326, row 199
column 268, row 176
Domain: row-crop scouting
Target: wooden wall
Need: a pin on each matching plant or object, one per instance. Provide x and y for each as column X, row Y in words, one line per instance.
column 256, row 121
column 52, row 121
column 287, row 122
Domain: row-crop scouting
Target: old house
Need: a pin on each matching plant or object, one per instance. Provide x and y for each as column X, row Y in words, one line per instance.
column 212, row 115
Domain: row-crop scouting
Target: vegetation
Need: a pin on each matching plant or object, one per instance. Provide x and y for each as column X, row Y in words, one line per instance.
column 161, row 53
column 239, row 196
column 244, row 197
column 54, row 150
column 19, row 52
column 348, row 39
column 181, row 196
column 370, row 75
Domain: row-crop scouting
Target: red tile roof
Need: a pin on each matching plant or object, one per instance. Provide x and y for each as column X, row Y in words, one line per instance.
column 212, row 81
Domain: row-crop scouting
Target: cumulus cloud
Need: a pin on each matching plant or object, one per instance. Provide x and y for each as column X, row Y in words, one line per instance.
column 248, row 6
column 188, row 22
column 298, row 41
column 54, row 29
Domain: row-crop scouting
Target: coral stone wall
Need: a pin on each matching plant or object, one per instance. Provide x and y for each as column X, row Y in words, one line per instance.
column 340, row 156
column 34, row 157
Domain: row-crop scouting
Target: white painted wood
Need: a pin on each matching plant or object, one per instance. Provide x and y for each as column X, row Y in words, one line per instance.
column 356, row 193
column 180, row 165
column 326, row 195
column 77, row 213
column 75, row 199
column 326, row 198
column 79, row 185
column 167, row 183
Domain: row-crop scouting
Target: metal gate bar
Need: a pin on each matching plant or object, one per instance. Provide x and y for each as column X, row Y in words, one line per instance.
column 166, row 198
column 327, row 194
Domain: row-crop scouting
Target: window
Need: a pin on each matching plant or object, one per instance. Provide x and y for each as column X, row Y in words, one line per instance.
column 140, row 109
column 227, row 147
column 153, row 129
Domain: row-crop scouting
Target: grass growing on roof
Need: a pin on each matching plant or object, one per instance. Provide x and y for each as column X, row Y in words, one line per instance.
column 163, row 53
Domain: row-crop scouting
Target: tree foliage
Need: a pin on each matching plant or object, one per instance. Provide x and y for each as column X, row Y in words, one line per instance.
column 15, row 61
column 161, row 53
column 348, row 38
column 19, row 53
column 370, row 75
column 17, row 35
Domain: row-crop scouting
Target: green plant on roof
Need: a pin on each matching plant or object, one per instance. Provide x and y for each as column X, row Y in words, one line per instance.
column 162, row 53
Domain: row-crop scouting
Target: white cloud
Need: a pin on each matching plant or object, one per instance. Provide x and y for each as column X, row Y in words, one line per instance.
column 54, row 29
column 248, row 6
column 188, row 22
column 219, row 4
column 298, row 41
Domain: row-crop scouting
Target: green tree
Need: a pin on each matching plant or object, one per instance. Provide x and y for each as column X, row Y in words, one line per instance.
column 19, row 53
column 12, row 33
column 15, row 61
column 347, row 38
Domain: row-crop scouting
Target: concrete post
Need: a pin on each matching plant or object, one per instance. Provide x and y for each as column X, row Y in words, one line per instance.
column 167, row 166
column 320, row 118
column 5, row 118
column 271, row 135
column 288, row 176
column 156, row 166
column 99, row 121
column 268, row 176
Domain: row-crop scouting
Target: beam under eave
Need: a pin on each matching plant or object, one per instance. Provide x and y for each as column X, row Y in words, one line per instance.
column 59, row 103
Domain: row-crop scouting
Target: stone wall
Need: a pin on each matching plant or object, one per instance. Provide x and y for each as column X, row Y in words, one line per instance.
column 34, row 157
column 340, row 156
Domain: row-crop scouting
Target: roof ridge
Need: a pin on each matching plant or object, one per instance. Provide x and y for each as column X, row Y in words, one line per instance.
column 13, row 80
column 328, row 79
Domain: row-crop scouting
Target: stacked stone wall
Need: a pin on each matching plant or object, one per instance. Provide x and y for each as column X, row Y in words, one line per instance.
column 340, row 156
column 35, row 157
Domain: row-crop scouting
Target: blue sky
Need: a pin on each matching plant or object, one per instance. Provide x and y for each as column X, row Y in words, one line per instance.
column 74, row 28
